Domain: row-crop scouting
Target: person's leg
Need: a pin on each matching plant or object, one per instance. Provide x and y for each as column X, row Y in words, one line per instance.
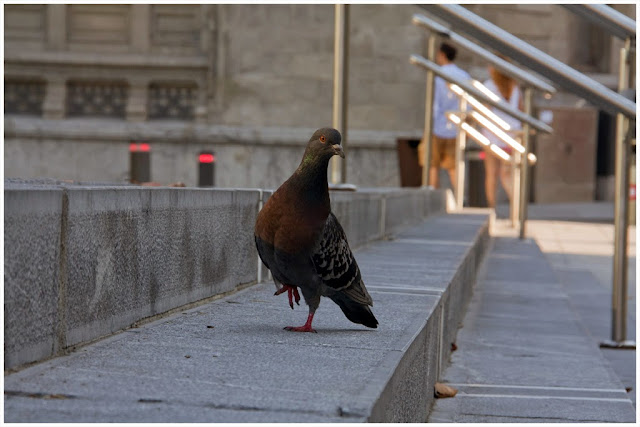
column 506, row 177
column 490, row 178
column 449, row 160
column 436, row 159
column 434, row 177
column 452, row 177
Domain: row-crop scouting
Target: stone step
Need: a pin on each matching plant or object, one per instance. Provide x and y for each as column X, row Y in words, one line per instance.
column 523, row 353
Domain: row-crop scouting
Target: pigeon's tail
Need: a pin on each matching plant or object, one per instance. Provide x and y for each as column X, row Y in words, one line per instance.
column 355, row 311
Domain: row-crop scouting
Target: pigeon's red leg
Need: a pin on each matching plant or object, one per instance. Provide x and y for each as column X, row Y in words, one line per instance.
column 304, row 328
column 296, row 295
column 292, row 292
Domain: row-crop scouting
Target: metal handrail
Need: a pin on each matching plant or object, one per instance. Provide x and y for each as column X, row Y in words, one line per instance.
column 623, row 27
column 527, row 55
column 525, row 117
column 501, row 105
column 458, row 118
column 602, row 97
column 520, row 151
column 504, row 66
column 613, row 21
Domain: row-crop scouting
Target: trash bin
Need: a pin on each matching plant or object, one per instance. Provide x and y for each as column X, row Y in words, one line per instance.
column 410, row 169
column 474, row 158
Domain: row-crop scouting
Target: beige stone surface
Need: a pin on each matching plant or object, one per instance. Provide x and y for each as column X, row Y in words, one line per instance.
column 565, row 170
column 266, row 66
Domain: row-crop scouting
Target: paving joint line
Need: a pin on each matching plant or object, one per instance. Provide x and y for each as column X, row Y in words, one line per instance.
column 400, row 290
column 536, row 397
column 534, row 387
column 522, row 417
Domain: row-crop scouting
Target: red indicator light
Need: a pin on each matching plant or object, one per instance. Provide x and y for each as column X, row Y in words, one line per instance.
column 482, row 155
column 145, row 147
column 207, row 158
column 133, row 147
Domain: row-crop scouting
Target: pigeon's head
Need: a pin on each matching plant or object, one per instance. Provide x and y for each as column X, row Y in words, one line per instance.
column 325, row 143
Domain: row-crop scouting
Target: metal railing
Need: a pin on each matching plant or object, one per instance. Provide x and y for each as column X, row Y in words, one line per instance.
column 506, row 67
column 467, row 89
column 532, row 58
column 340, row 87
column 592, row 91
column 622, row 27
column 478, row 94
column 465, row 129
column 613, row 21
column 519, row 198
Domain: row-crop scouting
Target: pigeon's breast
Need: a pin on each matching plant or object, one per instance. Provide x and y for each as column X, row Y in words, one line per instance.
column 294, row 231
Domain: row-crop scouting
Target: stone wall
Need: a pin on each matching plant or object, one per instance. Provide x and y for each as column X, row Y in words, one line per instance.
column 184, row 70
column 223, row 64
column 84, row 261
column 566, row 167
column 263, row 157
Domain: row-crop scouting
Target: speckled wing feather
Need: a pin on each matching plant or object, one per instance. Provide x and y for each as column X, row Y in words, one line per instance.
column 336, row 265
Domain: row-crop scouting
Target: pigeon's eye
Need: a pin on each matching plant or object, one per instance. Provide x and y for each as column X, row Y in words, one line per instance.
column 322, row 138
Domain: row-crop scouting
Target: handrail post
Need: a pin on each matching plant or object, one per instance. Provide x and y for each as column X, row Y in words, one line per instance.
column 428, row 112
column 516, row 195
column 340, row 87
column 461, row 142
column 524, row 163
column 621, row 217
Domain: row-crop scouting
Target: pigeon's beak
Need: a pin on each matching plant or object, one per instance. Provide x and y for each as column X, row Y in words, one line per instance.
column 337, row 150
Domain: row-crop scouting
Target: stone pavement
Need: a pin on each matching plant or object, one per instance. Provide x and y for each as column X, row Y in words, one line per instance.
column 231, row 361
column 581, row 255
column 528, row 349
column 577, row 239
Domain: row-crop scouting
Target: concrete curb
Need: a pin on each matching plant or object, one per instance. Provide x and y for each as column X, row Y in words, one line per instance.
column 85, row 261
column 179, row 132
column 408, row 392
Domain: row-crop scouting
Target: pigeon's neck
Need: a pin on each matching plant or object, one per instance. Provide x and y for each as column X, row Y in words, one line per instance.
column 311, row 177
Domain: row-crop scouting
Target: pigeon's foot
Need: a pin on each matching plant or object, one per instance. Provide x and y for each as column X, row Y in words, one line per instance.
column 292, row 292
column 304, row 328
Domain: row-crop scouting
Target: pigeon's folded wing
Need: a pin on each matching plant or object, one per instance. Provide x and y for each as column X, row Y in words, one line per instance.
column 336, row 265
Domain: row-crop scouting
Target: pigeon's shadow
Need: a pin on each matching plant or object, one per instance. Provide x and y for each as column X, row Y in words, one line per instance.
column 262, row 329
column 341, row 330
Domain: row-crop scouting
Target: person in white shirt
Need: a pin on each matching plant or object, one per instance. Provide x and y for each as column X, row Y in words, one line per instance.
column 507, row 89
column 443, row 140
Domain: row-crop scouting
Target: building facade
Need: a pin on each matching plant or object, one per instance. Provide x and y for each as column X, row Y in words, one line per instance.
column 249, row 82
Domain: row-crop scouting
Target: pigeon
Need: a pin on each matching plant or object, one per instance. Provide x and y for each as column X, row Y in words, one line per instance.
column 301, row 241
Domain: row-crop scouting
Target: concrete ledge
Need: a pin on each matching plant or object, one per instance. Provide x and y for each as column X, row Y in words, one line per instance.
column 86, row 261
column 230, row 360
column 32, row 221
column 450, row 248
column 180, row 131
column 152, row 250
